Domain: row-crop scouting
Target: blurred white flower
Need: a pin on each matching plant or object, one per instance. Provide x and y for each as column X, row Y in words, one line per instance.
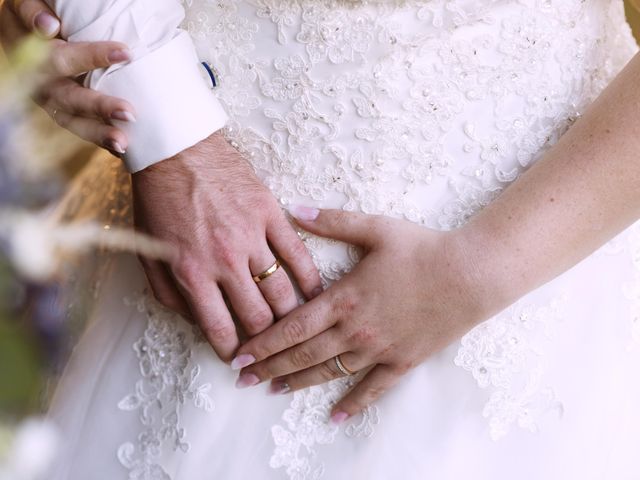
column 37, row 247
column 30, row 452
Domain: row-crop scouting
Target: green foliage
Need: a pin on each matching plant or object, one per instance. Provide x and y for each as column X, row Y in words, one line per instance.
column 20, row 368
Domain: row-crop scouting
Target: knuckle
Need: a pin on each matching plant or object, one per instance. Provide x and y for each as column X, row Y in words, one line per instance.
column 101, row 107
column 403, row 367
column 345, row 304
column 227, row 256
column 371, row 393
column 342, row 219
column 217, row 331
column 188, row 272
column 364, row 336
column 301, row 358
column 278, row 289
column 63, row 120
column 98, row 57
column 293, row 332
column 297, row 247
column 260, row 320
column 60, row 62
column 326, row 372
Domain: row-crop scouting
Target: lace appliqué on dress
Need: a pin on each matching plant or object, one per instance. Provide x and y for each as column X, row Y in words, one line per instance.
column 306, row 425
column 505, row 354
column 168, row 382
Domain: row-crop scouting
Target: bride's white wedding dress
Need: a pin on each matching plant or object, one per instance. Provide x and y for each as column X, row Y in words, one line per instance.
column 423, row 110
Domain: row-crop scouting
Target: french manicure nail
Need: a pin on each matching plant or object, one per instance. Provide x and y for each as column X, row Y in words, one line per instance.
column 113, row 146
column 279, row 387
column 118, row 56
column 247, row 380
column 242, row 361
column 46, row 24
column 339, row 417
column 303, row 213
column 124, row 116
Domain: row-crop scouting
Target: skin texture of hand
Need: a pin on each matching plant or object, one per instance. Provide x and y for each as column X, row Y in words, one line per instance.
column 409, row 296
column 226, row 226
column 82, row 111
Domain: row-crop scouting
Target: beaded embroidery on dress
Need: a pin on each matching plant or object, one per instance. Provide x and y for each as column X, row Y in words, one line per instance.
column 423, row 110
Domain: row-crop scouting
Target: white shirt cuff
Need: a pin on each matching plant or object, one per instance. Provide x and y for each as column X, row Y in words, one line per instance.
column 175, row 106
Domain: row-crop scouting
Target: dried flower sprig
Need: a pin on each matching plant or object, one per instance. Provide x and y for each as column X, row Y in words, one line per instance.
column 38, row 247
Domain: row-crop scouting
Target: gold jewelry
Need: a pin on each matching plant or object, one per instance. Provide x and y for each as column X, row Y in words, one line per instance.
column 268, row 272
column 53, row 115
column 341, row 366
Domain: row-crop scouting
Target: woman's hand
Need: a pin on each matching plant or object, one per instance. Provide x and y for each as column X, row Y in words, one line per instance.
column 82, row 111
column 410, row 296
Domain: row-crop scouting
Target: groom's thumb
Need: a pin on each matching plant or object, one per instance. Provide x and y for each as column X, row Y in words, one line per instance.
column 351, row 227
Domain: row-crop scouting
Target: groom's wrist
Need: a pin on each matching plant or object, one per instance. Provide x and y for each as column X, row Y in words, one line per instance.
column 175, row 106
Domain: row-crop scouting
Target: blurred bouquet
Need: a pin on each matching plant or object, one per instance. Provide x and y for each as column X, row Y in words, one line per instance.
column 38, row 242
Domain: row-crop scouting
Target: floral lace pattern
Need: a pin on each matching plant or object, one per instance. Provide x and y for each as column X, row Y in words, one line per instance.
column 307, row 425
column 504, row 354
column 168, row 381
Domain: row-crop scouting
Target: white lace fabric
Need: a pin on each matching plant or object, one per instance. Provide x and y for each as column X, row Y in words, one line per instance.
column 422, row 110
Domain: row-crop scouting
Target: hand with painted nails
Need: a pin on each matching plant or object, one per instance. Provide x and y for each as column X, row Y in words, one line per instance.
column 82, row 111
column 411, row 294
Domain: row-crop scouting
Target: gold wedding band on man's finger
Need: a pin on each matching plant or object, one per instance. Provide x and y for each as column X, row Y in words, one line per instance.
column 268, row 272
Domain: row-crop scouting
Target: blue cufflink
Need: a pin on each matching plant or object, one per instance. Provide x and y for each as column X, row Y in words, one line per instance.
column 210, row 72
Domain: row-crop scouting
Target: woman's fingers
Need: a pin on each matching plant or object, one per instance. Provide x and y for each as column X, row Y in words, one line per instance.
column 65, row 94
column 303, row 323
column 318, row 374
column 92, row 130
column 308, row 354
column 70, row 59
column 276, row 289
column 380, row 379
column 351, row 227
column 287, row 243
column 37, row 17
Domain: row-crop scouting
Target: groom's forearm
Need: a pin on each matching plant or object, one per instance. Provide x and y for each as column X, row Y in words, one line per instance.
column 175, row 107
column 583, row 192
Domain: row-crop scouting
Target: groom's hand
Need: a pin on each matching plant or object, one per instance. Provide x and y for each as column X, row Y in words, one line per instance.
column 208, row 202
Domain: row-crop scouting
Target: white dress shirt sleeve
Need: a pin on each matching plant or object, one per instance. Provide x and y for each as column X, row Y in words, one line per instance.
column 175, row 106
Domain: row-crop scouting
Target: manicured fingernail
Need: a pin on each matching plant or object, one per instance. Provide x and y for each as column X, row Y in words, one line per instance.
column 46, row 24
column 316, row 291
column 124, row 116
column 242, row 361
column 247, row 380
column 113, row 146
column 279, row 387
column 304, row 213
column 339, row 417
column 119, row 56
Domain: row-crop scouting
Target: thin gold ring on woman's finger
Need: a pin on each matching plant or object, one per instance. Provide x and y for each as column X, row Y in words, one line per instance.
column 341, row 366
column 268, row 272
